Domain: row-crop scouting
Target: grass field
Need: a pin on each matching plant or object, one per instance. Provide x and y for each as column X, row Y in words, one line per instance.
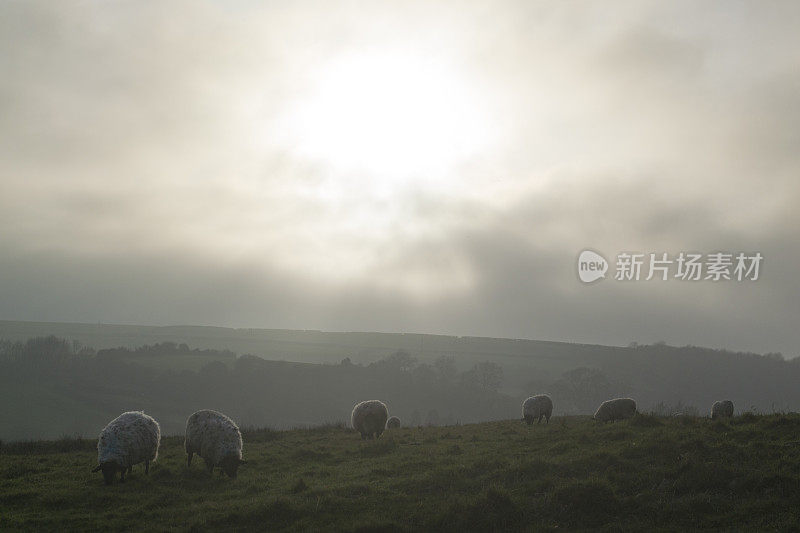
column 643, row 474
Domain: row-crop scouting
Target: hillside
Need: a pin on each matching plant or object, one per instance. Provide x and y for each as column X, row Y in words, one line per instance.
column 653, row 373
column 549, row 358
column 643, row 474
column 55, row 386
column 51, row 389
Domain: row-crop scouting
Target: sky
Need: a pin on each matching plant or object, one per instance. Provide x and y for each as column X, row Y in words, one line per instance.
column 432, row 167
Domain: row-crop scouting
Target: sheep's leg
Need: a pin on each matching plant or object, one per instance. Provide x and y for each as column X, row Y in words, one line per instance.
column 146, row 467
column 122, row 476
column 189, row 459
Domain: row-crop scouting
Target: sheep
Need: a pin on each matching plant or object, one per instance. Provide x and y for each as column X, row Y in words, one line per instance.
column 369, row 418
column 393, row 422
column 131, row 438
column 217, row 439
column 616, row 409
column 536, row 407
column 722, row 409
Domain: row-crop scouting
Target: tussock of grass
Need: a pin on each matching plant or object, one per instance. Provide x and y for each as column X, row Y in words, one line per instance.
column 455, row 449
column 586, row 503
column 646, row 421
column 300, row 486
column 493, row 510
column 252, row 434
column 305, row 454
column 654, row 473
column 35, row 447
column 379, row 447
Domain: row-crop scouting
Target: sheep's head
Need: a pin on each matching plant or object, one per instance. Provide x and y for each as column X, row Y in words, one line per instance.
column 110, row 469
column 230, row 465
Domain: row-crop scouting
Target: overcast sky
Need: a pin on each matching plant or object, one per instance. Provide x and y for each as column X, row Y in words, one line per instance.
column 412, row 166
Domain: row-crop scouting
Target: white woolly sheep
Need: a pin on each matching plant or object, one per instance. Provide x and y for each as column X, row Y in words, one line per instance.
column 616, row 409
column 131, row 438
column 722, row 409
column 369, row 418
column 393, row 422
column 217, row 439
column 537, row 407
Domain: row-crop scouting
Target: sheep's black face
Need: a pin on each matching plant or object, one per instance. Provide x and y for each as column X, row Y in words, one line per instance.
column 230, row 465
column 109, row 472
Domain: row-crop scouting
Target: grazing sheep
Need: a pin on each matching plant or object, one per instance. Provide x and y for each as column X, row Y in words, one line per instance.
column 393, row 422
column 369, row 418
column 616, row 409
column 129, row 439
column 536, row 407
column 722, row 409
column 216, row 438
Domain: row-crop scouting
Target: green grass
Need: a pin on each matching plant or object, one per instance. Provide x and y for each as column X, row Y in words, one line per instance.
column 644, row 474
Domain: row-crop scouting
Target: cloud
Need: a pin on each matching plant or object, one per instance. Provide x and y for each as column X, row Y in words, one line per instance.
column 145, row 176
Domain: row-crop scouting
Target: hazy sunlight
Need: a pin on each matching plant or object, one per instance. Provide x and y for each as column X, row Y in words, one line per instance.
column 393, row 117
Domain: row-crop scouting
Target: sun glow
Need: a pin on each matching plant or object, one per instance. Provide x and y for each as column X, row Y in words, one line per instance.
column 390, row 116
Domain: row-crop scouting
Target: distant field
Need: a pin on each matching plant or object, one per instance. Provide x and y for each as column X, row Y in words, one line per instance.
column 644, row 474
